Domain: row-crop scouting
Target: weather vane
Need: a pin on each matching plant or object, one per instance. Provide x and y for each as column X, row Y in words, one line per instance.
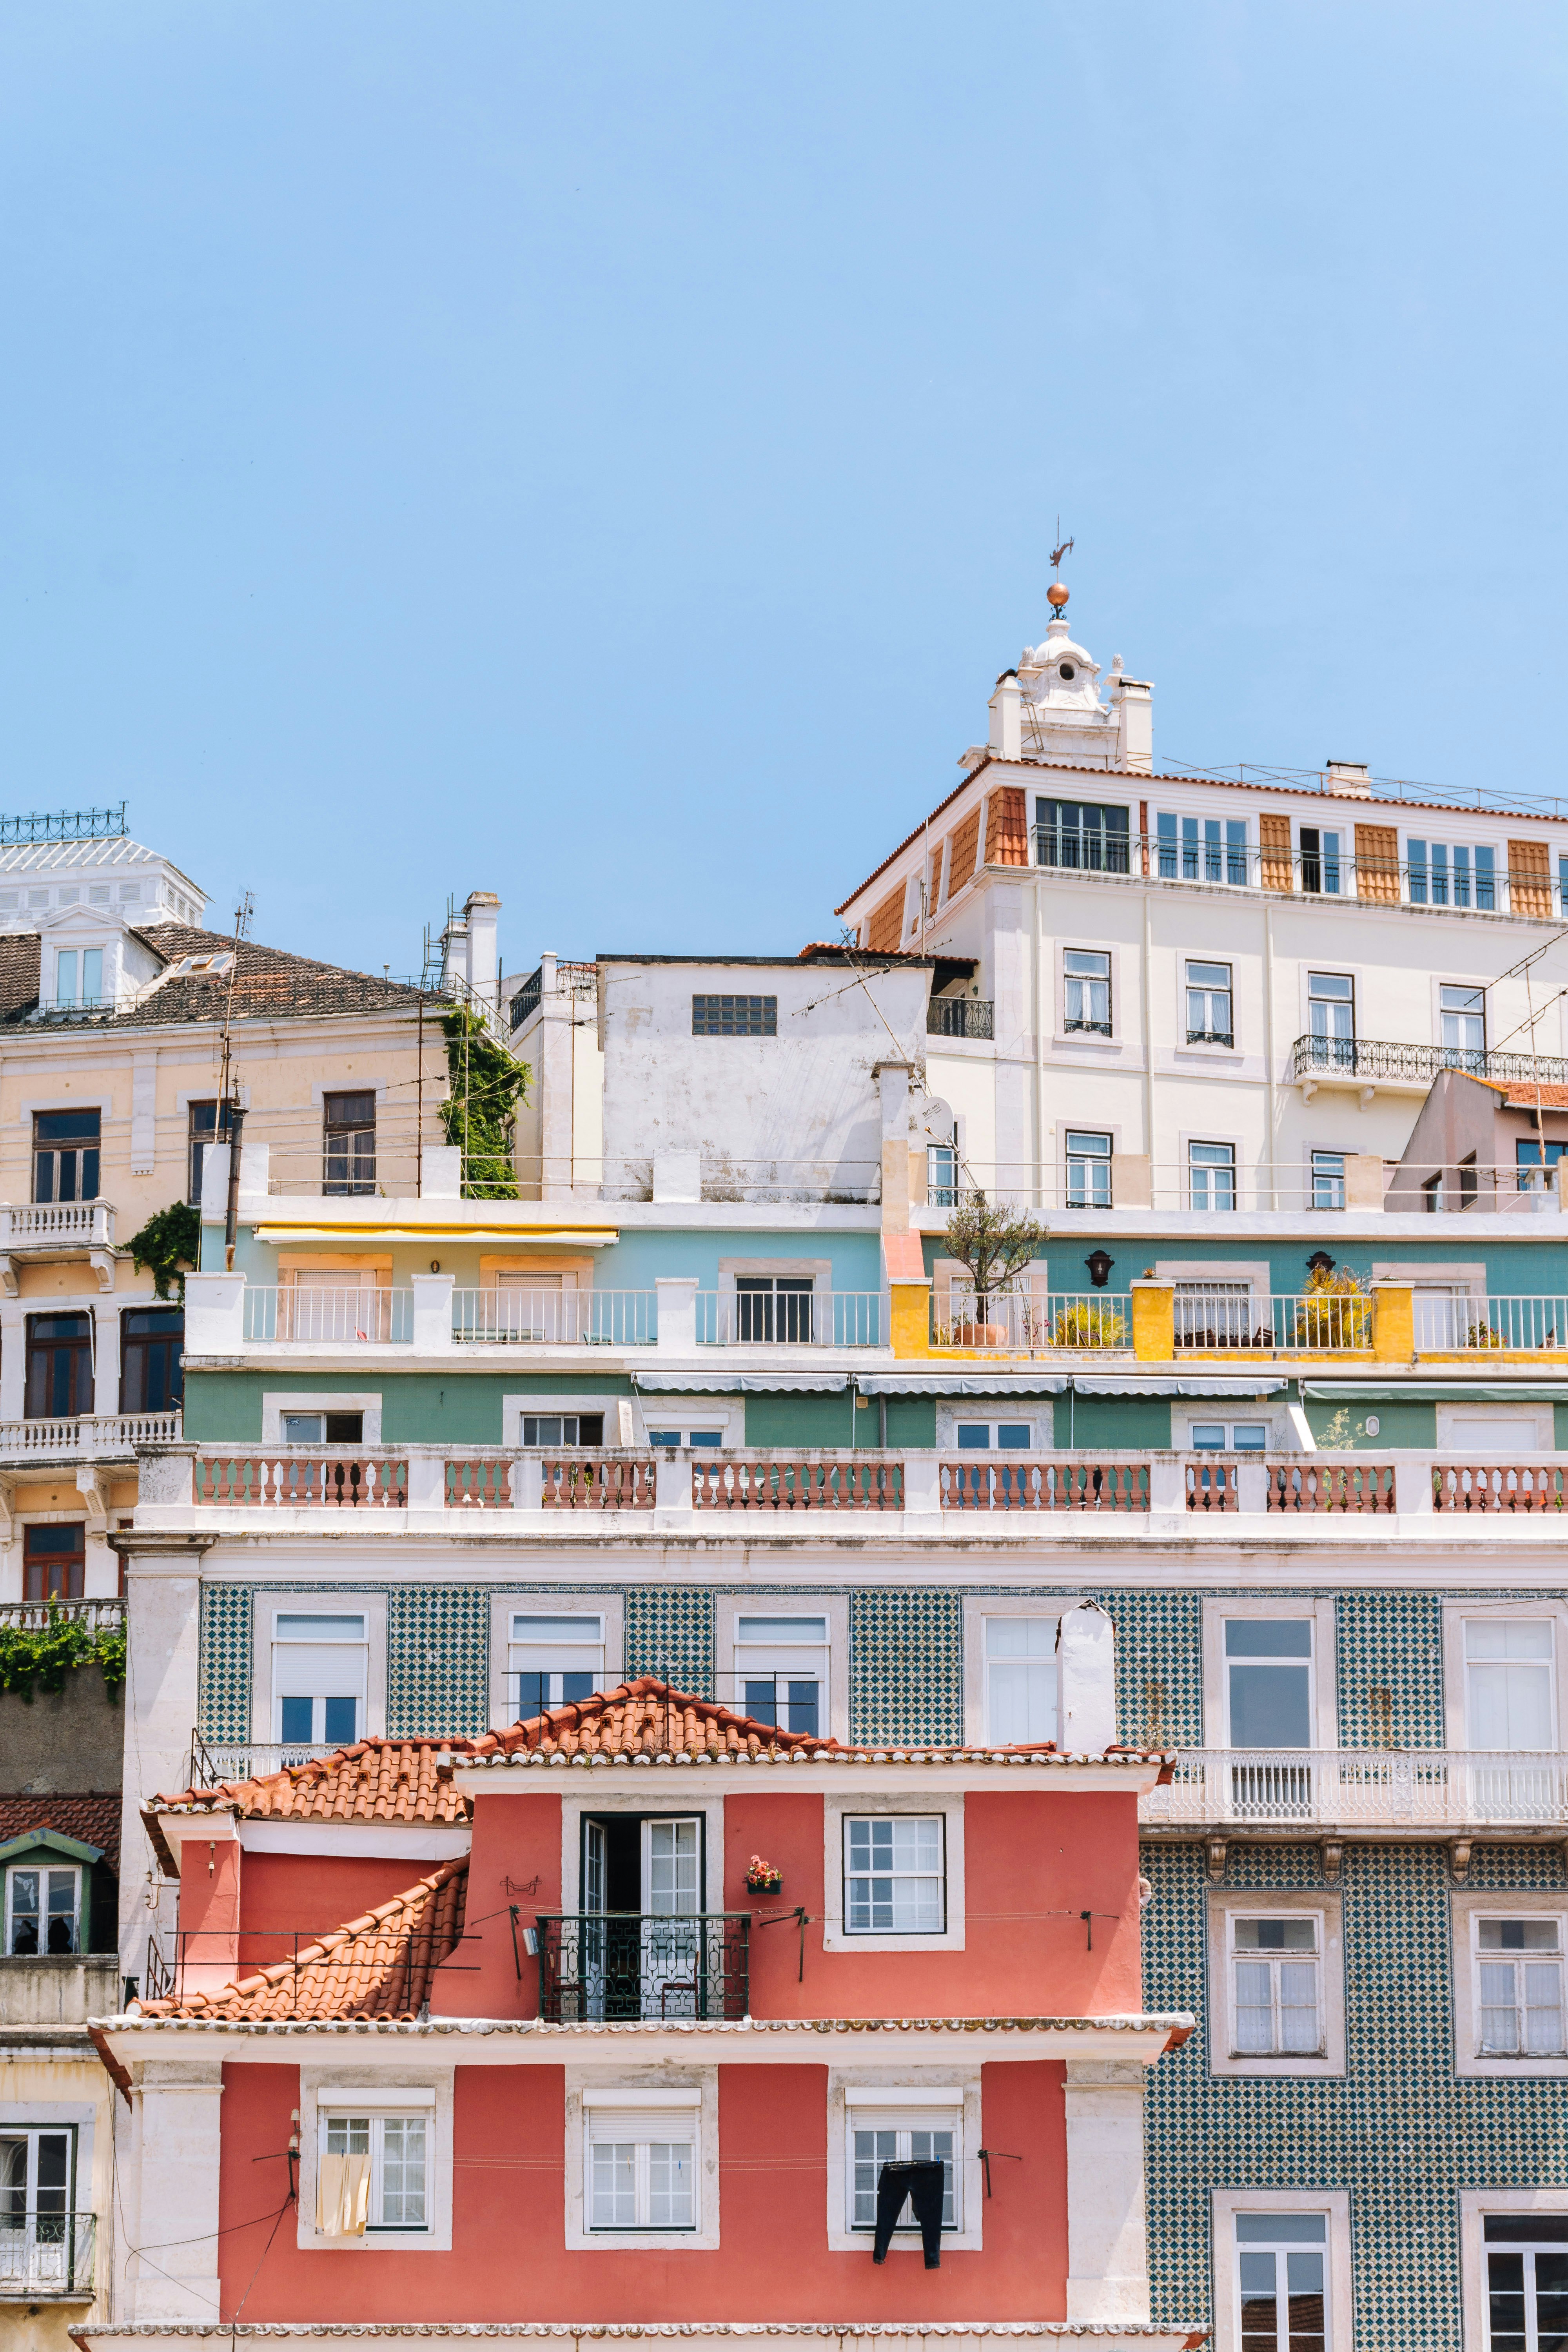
column 1065, row 548
column 1056, row 593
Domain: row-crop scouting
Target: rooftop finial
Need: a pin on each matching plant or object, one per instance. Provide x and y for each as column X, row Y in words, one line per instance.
column 1058, row 592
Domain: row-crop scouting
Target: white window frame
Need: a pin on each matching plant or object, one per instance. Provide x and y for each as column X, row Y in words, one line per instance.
column 1475, row 2204
column 1323, row 1905
column 1541, row 1416
column 1106, row 1160
column 1207, row 1140
column 314, row 1602
column 1085, row 1041
column 1467, row 1908
column 730, row 1607
column 350, row 2109
column 80, row 1926
column 1334, row 2204
column 1185, row 1045
column 954, row 2092
column 514, row 1406
column 608, row 1607
column 654, row 2088
column 1455, row 1695
column 975, row 1613
column 1036, row 1411
column 1191, row 1418
column 1218, row 1608
column 275, row 1403
column 335, row 2090
column 323, row 1743
column 610, row 1796
column 834, row 1811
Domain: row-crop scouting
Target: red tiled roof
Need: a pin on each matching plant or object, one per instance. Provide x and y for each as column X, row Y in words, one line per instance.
column 95, row 1819
column 373, row 1781
column 646, row 1719
column 379, row 1965
column 1524, row 1093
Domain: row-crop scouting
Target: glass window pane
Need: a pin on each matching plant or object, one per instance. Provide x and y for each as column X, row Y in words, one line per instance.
column 1269, row 1637
column 1271, row 1707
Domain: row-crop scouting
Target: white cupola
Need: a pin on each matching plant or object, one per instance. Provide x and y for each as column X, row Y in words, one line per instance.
column 1049, row 706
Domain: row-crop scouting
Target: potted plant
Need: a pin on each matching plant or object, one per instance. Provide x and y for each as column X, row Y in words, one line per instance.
column 762, row 1877
column 993, row 1247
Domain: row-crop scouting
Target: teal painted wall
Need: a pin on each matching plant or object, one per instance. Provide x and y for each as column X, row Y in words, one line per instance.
column 1399, row 1424
column 418, row 1408
column 1112, row 1421
column 797, row 1421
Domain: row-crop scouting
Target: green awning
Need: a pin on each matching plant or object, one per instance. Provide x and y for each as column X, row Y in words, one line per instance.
column 1373, row 1390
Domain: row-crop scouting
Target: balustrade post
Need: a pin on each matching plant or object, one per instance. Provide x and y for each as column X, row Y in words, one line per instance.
column 215, row 1314
column 1167, row 1486
column 1153, row 1321
column 1413, row 1492
column 527, row 1483
column 432, row 1312
column 1393, row 1323
column 922, row 1492
column 677, row 1314
column 1252, row 1487
column 426, row 1480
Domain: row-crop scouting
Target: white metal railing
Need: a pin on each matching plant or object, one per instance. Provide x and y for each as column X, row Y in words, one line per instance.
column 47, row 2254
column 1030, row 1322
column 214, row 1761
column 329, row 1313
column 52, row 1223
column 1532, row 1324
column 804, row 1319
column 70, row 1433
column 1288, row 1323
column 594, row 1319
column 1351, row 1788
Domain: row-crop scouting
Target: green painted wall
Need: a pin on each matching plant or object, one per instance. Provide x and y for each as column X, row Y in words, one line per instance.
column 1398, row 1425
column 800, row 1421
column 1080, row 1420
column 418, row 1408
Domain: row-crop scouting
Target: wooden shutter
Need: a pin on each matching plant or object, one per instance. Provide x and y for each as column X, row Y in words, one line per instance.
column 965, row 841
column 1377, row 862
column 888, row 924
column 1529, row 878
column 1274, row 841
column 1006, row 833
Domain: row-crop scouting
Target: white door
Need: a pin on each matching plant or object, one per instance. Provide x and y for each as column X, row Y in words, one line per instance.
column 590, row 1930
column 671, row 1897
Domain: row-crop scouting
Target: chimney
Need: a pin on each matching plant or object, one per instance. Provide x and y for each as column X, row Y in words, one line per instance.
column 480, row 909
column 1350, row 780
column 1133, row 699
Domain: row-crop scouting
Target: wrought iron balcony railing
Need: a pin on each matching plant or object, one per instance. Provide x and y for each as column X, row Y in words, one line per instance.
column 1380, row 1057
column 48, row 2255
column 595, row 1967
column 959, row 1016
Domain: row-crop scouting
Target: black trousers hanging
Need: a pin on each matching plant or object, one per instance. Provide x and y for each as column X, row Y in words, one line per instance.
column 924, row 2185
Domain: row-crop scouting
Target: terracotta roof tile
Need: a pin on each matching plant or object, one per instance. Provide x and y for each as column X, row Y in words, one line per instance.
column 269, row 983
column 646, row 1719
column 379, row 1965
column 373, row 1781
column 94, row 1819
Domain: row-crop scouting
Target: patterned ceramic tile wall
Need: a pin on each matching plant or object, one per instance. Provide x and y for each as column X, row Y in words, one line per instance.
column 222, row 1682
column 1399, row 2131
column 669, row 1633
column 906, row 1666
column 437, row 1660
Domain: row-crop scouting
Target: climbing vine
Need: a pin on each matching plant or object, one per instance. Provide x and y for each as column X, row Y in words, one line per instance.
column 167, row 1241
column 479, row 1114
column 43, row 1655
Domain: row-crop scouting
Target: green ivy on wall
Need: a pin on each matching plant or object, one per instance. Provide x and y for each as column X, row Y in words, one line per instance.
column 43, row 1655
column 166, row 1242
column 486, row 1085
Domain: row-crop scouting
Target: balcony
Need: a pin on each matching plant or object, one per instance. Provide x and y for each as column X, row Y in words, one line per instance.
column 1374, row 1061
column 1369, row 1791
column 804, row 1319
column 45, row 1233
column 601, row 1967
column 37, row 1616
column 48, row 2258
column 1031, row 1322
column 87, row 1437
column 959, row 1016
column 555, row 1319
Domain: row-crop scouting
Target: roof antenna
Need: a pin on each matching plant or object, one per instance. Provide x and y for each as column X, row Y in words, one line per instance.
column 1058, row 592
column 228, row 1111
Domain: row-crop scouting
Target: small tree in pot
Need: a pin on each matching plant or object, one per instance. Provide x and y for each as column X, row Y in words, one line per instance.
column 994, row 1245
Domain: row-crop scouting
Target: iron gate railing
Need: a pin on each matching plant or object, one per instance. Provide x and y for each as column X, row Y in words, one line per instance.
column 605, row 1964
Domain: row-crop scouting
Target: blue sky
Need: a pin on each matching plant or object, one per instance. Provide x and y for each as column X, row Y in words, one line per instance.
column 605, row 454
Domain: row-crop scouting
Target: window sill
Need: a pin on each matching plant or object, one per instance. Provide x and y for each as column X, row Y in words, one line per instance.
column 1079, row 1041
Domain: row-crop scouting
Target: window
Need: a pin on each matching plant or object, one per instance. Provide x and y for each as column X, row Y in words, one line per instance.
column 1229, row 1436
column 942, row 1175
column 78, row 975
column 641, row 2161
column 774, row 1307
column 43, row 1906
column 1277, row 2009
column 735, row 1016
column 894, row 1876
column 1201, row 849
column 981, row 1437
column 319, row 1673
column 1211, row 1175
column 1527, row 2280
column 323, row 1428
column 781, row 1670
column 150, row 1377
column 394, row 2151
column 349, row 1142
column 1328, row 1180
column 1330, row 1020
column 1020, row 1680
column 60, row 1366
column 1082, row 834
column 54, row 1561
column 551, row 1661
column 706, row 1440
column 1462, row 1017
column 1457, row 875
column 1088, row 1170
column 1507, row 1682
column 1210, row 1018
column 1282, row 2261
column 206, row 1126
column 1213, row 1315
column 1519, row 1988
column 887, row 2133
column 1531, row 1158
column 564, row 1429
column 1086, row 984
column 1321, row 860
column 39, row 2248
column 1432, row 1196
column 1269, row 1681
column 65, row 1155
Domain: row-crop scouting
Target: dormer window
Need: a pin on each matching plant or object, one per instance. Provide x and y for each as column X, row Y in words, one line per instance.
column 79, row 976
column 216, row 963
